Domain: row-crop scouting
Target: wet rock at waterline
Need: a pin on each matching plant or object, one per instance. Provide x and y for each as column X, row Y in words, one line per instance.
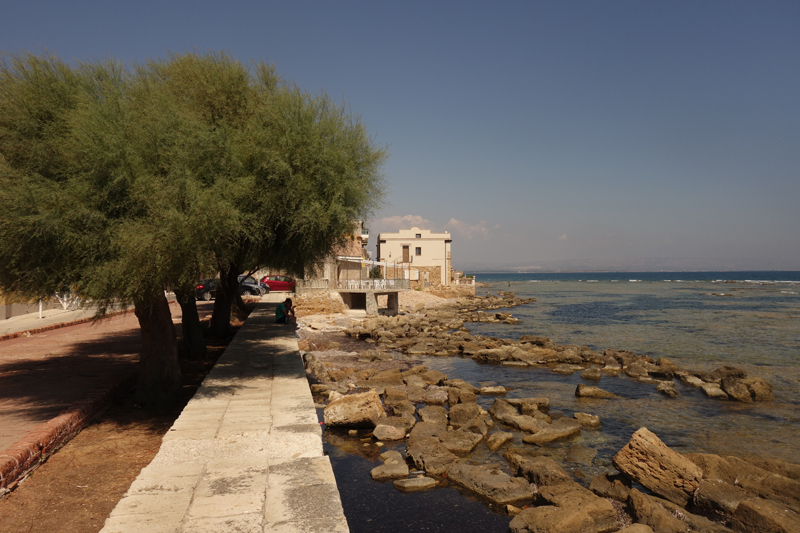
column 616, row 487
column 573, row 497
column 415, row 484
column 394, row 467
column 393, row 427
column 551, row 519
column 561, row 429
column 491, row 483
column 585, row 391
column 538, row 470
column 497, row 440
column 648, row 461
column 355, row 410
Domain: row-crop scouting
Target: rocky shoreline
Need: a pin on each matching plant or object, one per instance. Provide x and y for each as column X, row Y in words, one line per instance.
column 377, row 398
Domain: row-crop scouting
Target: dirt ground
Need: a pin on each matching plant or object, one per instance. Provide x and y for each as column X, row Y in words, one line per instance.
column 79, row 486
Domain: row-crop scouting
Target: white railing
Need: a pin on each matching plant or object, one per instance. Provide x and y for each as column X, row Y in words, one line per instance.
column 372, row 284
column 464, row 281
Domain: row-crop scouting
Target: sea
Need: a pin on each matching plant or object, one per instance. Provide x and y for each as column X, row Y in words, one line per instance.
column 699, row 320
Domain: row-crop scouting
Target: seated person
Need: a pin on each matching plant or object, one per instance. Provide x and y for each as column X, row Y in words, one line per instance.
column 284, row 313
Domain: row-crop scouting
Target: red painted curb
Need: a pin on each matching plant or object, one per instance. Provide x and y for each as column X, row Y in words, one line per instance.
column 17, row 334
column 40, row 443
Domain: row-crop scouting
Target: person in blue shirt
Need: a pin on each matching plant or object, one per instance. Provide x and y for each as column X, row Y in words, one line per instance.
column 284, row 313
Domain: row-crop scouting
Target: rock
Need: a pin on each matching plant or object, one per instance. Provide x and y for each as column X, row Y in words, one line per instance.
column 540, row 404
column 766, row 484
column 539, row 470
column 695, row 523
column 636, row 370
column 491, row 483
column 592, row 373
column 434, row 377
column 572, row 497
column 403, row 408
column 430, row 455
column 433, row 413
column 760, row 389
column 762, row 515
column 414, row 484
column 551, row 519
column 354, row 410
column 463, row 385
column 393, row 428
column 713, row 390
column 459, row 441
column 616, row 487
column 719, row 496
column 649, row 461
column 498, row 439
column 646, row 511
column 776, row 466
column 536, row 340
column 736, row 389
column 316, row 371
column 580, row 454
column 583, row 391
column 456, row 395
column 529, row 409
column 689, row 379
column 462, row 413
column 667, row 388
column 587, row 420
column 566, row 369
column 415, row 381
column 388, row 378
column 480, row 425
column 636, row 528
column 561, row 429
column 512, row 510
column 493, row 391
column 507, row 414
column 393, row 467
column 435, row 395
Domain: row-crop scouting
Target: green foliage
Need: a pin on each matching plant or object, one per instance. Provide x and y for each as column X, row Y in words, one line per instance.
column 375, row 272
column 123, row 182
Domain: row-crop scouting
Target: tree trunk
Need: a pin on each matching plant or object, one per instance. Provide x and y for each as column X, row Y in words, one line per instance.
column 158, row 384
column 194, row 345
column 226, row 295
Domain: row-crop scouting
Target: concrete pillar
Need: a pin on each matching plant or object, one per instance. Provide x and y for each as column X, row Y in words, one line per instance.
column 372, row 303
column 393, row 303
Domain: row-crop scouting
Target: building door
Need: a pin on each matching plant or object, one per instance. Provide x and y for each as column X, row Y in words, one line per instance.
column 426, row 279
column 406, row 257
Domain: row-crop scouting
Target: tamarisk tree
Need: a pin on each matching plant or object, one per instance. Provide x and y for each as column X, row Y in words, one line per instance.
column 123, row 182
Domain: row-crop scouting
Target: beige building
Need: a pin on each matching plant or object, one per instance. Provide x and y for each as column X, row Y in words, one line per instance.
column 422, row 254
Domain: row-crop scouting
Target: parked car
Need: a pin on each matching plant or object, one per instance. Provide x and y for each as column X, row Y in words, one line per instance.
column 279, row 283
column 206, row 289
column 248, row 286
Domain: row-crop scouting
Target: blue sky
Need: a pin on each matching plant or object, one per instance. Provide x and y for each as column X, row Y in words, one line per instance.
column 545, row 135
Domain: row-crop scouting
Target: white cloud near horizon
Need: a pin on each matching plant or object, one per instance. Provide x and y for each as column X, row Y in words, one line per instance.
column 469, row 231
column 457, row 228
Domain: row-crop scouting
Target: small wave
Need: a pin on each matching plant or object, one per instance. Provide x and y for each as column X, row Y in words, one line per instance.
column 788, row 292
column 634, row 280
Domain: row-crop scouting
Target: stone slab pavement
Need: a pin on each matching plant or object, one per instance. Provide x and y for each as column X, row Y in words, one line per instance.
column 245, row 454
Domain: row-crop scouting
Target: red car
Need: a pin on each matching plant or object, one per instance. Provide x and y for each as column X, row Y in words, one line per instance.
column 279, row 283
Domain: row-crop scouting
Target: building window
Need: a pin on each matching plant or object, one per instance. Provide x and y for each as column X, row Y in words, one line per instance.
column 419, row 236
column 418, row 250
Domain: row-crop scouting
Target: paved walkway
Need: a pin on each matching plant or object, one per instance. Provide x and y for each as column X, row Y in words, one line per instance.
column 31, row 321
column 246, row 453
